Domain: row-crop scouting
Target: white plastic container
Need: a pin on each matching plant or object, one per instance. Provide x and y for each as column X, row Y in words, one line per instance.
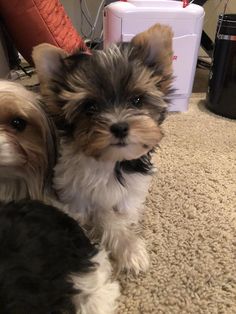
column 123, row 20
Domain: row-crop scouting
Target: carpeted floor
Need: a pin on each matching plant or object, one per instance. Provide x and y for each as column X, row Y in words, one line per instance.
column 190, row 220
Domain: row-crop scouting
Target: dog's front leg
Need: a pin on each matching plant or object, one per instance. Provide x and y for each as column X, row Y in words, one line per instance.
column 119, row 237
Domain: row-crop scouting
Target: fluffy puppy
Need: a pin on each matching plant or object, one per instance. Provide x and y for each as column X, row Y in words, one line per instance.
column 48, row 266
column 27, row 144
column 110, row 106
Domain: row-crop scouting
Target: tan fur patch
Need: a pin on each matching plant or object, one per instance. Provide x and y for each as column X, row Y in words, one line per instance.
column 46, row 57
column 155, row 45
column 145, row 131
column 34, row 134
column 27, row 154
column 93, row 140
column 145, row 82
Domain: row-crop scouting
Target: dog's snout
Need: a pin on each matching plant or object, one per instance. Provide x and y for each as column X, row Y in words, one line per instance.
column 120, row 130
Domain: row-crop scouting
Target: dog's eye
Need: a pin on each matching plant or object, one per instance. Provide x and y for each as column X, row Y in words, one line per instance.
column 136, row 101
column 90, row 108
column 19, row 124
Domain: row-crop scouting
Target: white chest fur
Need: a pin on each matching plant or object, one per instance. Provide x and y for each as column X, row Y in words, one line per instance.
column 86, row 184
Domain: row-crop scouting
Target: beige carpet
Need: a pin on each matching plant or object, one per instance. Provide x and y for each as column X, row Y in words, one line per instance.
column 190, row 220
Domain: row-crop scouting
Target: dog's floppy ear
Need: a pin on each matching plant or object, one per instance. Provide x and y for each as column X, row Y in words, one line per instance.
column 48, row 60
column 154, row 48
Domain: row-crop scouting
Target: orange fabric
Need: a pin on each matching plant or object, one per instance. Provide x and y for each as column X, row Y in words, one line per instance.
column 32, row 22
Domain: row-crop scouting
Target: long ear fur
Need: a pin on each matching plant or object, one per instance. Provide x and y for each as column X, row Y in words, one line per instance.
column 154, row 48
column 47, row 59
column 52, row 63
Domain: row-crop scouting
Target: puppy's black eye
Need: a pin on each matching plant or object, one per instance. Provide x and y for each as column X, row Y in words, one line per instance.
column 136, row 101
column 19, row 124
column 90, row 108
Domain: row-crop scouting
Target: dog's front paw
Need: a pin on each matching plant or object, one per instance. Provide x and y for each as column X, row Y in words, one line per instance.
column 133, row 258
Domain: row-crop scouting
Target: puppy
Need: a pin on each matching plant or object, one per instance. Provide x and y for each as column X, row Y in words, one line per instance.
column 27, row 144
column 109, row 105
column 47, row 265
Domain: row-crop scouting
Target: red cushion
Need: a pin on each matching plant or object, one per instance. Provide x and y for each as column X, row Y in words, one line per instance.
column 32, row 22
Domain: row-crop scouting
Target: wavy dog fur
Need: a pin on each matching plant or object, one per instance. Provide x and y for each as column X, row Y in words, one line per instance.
column 110, row 106
column 28, row 144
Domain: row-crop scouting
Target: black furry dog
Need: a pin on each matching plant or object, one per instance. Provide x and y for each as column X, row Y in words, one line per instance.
column 48, row 266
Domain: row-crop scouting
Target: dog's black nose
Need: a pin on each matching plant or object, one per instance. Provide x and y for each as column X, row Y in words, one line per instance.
column 120, row 130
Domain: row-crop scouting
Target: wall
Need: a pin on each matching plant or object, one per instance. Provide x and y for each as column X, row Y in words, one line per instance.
column 72, row 8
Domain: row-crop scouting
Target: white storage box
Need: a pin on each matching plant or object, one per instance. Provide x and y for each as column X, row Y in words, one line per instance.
column 123, row 20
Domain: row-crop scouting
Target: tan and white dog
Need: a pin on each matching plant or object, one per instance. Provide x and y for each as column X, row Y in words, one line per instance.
column 27, row 144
